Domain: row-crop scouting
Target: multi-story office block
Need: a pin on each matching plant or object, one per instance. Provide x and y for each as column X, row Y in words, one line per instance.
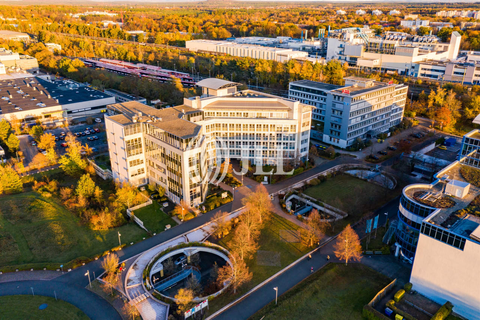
column 361, row 108
column 180, row 148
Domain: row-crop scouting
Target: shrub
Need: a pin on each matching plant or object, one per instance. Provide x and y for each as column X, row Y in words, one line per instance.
column 471, row 175
column 314, row 182
column 408, row 287
column 443, row 312
column 298, row 171
column 372, row 314
column 399, row 295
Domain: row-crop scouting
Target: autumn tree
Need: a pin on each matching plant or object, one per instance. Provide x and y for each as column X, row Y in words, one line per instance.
column 127, row 195
column 314, row 231
column 71, row 162
column 181, row 209
column 348, row 245
column 39, row 161
column 110, row 263
column 85, row 186
column 221, row 224
column 47, row 141
column 13, row 143
column 237, row 275
column 259, row 202
column 245, row 241
column 313, row 151
column 5, row 130
column 184, row 299
column 10, row 181
column 36, row 132
column 16, row 124
column 130, row 310
column 472, row 108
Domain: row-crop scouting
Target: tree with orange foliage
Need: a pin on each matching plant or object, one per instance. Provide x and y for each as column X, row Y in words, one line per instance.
column 348, row 246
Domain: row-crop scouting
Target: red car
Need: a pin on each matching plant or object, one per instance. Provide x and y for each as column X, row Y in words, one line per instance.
column 64, row 144
column 97, row 130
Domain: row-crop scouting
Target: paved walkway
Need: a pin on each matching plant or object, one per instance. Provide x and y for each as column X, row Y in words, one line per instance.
column 29, row 275
column 301, row 270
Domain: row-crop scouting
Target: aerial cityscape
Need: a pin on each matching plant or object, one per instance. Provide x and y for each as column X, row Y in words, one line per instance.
column 239, row 160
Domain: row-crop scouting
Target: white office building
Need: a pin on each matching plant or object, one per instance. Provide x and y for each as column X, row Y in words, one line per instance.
column 377, row 12
column 394, row 51
column 341, row 12
column 180, row 147
column 414, row 24
column 245, row 50
column 360, row 12
column 362, row 108
column 394, row 12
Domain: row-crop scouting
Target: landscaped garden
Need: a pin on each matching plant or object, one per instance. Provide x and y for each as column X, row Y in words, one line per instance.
column 153, row 218
column 278, row 246
column 27, row 307
column 352, row 195
column 334, row 292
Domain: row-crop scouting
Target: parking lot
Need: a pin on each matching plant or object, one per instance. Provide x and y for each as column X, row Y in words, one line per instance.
column 100, row 144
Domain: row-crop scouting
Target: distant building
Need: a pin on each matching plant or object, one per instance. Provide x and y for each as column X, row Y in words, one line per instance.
column 93, row 13
column 441, row 25
column 341, row 12
column 14, row 35
column 107, row 23
column 136, row 33
column 124, row 97
column 244, row 50
column 411, row 16
column 346, row 113
column 455, row 13
column 14, row 62
column 414, row 24
column 360, row 12
column 377, row 12
column 394, row 12
column 53, row 47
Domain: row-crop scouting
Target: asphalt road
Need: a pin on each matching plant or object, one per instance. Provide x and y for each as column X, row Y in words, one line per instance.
column 85, row 300
column 291, row 277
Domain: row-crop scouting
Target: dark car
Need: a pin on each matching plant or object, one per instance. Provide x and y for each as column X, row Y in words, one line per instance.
column 61, row 137
column 56, row 138
column 90, row 138
column 383, row 152
column 95, row 138
column 391, row 148
column 374, row 157
column 83, row 134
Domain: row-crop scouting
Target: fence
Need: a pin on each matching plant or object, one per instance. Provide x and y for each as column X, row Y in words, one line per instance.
column 382, row 293
column 102, row 173
column 132, row 215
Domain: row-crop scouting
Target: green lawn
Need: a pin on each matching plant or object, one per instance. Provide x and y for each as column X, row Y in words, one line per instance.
column 271, row 241
column 352, row 195
column 37, row 232
column 153, row 218
column 334, row 292
column 26, row 307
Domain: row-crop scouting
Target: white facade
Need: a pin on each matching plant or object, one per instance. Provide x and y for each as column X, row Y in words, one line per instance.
column 341, row 12
column 179, row 147
column 414, row 24
column 394, row 12
column 360, row 12
column 243, row 50
column 377, row 12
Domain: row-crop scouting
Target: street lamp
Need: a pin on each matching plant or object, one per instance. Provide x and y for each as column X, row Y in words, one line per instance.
column 88, row 274
column 119, row 241
column 33, row 293
column 233, row 193
column 276, row 295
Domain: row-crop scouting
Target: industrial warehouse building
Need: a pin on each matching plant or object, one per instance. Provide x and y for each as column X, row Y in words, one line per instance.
column 48, row 99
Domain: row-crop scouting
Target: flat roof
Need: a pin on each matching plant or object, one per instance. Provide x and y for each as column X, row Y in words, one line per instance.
column 68, row 91
column 215, row 83
column 168, row 119
column 316, row 85
column 10, row 33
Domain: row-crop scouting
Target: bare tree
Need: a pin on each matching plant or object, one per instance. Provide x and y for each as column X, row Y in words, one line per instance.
column 260, row 203
column 130, row 310
column 245, row 241
column 110, row 263
column 315, row 230
column 237, row 275
column 169, row 266
column 194, row 285
column 348, row 246
column 221, row 224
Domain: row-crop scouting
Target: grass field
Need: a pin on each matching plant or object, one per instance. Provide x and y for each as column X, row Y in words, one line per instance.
column 26, row 307
column 270, row 241
column 37, row 232
column 153, row 218
column 334, row 292
column 352, row 195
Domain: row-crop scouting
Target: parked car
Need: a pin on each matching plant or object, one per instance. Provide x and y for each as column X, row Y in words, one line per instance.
column 96, row 130
column 64, row 144
column 383, row 152
column 374, row 157
column 62, row 134
column 87, row 132
column 61, row 137
column 95, row 138
column 83, row 134
column 391, row 148
column 56, row 138
column 98, row 120
column 33, row 143
column 90, row 138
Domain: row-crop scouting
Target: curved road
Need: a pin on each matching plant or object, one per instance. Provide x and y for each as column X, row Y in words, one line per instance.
column 70, row 286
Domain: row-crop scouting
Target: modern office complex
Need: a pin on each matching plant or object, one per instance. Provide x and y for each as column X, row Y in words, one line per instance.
column 47, row 99
column 414, row 24
column 437, row 228
column 180, row 147
column 361, row 108
column 14, row 62
column 395, row 51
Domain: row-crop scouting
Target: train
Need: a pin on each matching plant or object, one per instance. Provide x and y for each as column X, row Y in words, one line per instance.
column 141, row 70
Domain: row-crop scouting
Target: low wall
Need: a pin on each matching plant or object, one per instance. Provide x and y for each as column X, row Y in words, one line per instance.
column 382, row 293
column 102, row 173
column 326, row 208
column 132, row 215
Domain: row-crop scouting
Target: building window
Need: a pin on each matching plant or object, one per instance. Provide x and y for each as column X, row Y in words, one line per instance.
column 134, row 147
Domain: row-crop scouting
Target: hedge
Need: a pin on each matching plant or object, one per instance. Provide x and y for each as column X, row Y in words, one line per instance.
column 407, row 316
column 443, row 312
column 399, row 295
column 371, row 314
column 408, row 287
